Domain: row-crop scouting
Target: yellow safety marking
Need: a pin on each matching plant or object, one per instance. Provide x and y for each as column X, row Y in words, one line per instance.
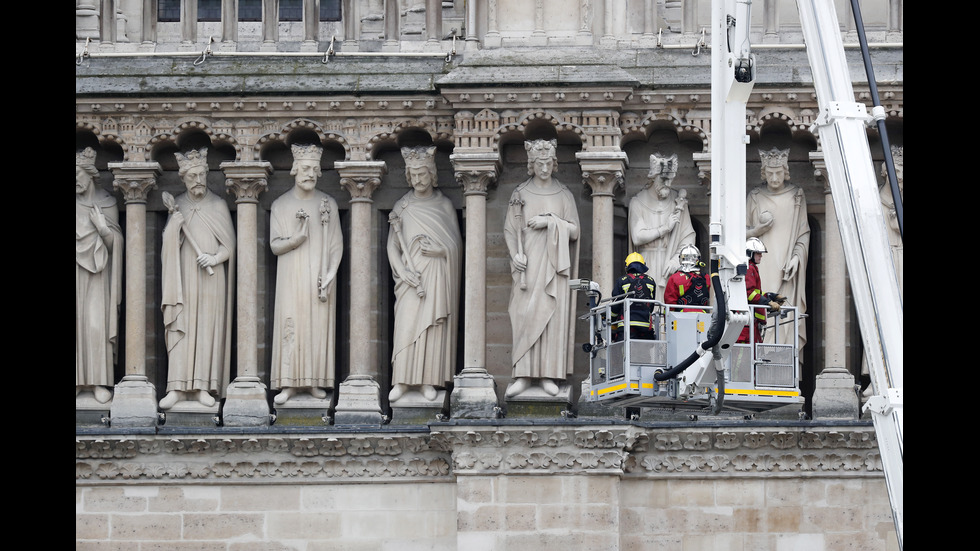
column 612, row 389
column 647, row 385
column 760, row 392
column 700, row 327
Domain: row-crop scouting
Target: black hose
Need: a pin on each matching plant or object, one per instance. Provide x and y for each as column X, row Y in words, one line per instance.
column 714, row 333
column 882, row 131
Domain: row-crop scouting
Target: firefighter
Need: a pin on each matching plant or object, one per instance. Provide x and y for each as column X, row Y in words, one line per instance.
column 754, row 248
column 635, row 285
column 688, row 286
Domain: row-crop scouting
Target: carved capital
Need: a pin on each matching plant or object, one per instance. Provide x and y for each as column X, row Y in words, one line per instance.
column 604, row 182
column 603, row 171
column 820, row 170
column 246, row 180
column 134, row 179
column 703, row 162
column 361, row 178
column 476, row 172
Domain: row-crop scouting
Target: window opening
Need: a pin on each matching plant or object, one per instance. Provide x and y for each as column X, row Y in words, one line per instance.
column 330, row 10
column 168, row 11
column 250, row 10
column 209, row 10
column 290, row 10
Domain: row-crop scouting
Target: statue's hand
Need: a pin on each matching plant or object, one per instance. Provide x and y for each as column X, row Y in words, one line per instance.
column 410, row 277
column 789, row 272
column 98, row 220
column 675, row 217
column 205, row 260
column 538, row 222
column 431, row 248
column 520, row 262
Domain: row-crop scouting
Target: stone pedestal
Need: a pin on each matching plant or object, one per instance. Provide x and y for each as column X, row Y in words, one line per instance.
column 413, row 409
column 134, row 403
column 303, row 410
column 246, row 405
column 192, row 414
column 358, row 403
column 474, row 395
column 89, row 412
column 536, row 403
column 834, row 396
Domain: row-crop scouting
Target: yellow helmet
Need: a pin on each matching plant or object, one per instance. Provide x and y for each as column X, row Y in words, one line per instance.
column 634, row 257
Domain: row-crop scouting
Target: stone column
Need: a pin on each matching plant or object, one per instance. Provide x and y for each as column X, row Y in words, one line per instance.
column 188, row 21
column 246, row 404
column 351, row 21
column 270, row 25
column 359, row 398
column 311, row 25
column 135, row 401
column 603, row 171
column 229, row 22
column 474, row 394
column 538, row 36
column 834, row 395
column 472, row 40
column 107, row 24
column 492, row 38
column 148, row 30
column 433, row 21
column 392, row 26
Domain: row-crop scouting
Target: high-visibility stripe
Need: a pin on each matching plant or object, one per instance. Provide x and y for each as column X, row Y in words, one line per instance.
column 753, row 392
column 607, row 390
column 754, row 294
column 681, row 287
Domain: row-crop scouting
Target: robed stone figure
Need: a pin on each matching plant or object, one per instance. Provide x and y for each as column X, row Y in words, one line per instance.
column 99, row 251
column 776, row 213
column 660, row 221
column 306, row 237
column 542, row 234
column 425, row 254
column 198, row 259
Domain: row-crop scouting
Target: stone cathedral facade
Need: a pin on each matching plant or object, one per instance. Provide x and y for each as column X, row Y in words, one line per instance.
column 612, row 82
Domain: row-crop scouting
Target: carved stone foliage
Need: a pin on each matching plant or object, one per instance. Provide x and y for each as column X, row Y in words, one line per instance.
column 457, row 450
column 281, row 458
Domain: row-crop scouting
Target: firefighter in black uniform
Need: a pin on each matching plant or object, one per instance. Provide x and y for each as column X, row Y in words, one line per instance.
column 635, row 285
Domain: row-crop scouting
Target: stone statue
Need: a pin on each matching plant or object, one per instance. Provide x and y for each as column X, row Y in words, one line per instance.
column 776, row 213
column 891, row 216
column 660, row 221
column 99, row 252
column 425, row 253
column 198, row 260
column 894, row 234
column 305, row 234
column 541, row 230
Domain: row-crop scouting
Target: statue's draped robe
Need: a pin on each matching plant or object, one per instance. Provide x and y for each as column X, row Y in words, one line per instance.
column 788, row 235
column 424, row 342
column 894, row 235
column 197, row 307
column 542, row 315
column 660, row 255
column 98, row 292
column 304, row 328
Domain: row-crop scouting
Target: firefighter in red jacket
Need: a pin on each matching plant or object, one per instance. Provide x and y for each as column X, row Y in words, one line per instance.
column 753, row 288
column 688, row 286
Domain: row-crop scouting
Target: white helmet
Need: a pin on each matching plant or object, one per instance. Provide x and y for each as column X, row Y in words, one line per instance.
column 689, row 258
column 754, row 245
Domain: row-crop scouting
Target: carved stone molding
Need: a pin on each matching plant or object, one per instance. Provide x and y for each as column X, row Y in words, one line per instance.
column 457, row 449
column 360, row 179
